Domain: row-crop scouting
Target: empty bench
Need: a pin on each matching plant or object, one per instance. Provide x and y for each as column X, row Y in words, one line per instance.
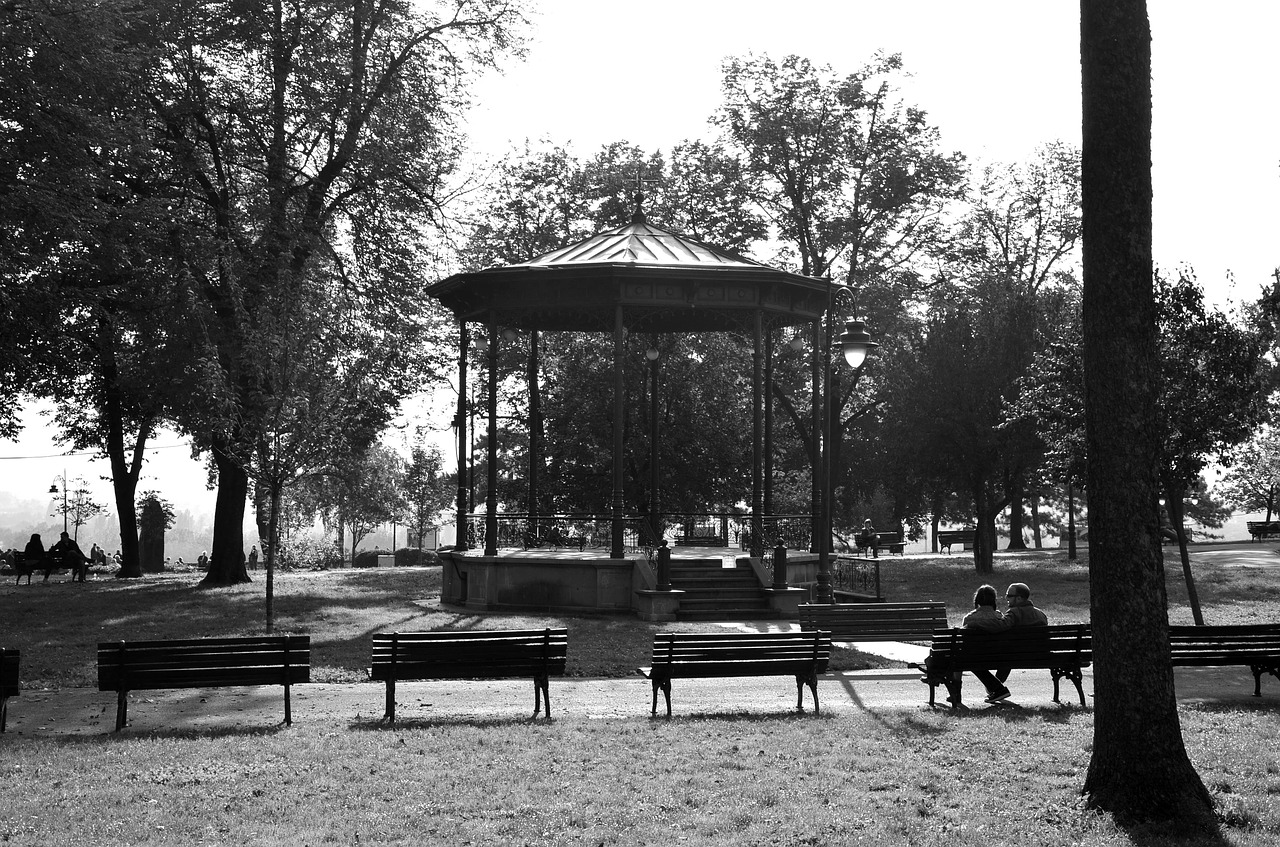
column 125, row 666
column 1259, row 530
column 1256, row 646
column 8, row 681
column 496, row 654
column 698, row 655
column 963, row 537
column 1064, row 650
column 875, row 621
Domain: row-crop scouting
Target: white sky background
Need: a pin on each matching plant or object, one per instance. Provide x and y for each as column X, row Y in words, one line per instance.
column 998, row 77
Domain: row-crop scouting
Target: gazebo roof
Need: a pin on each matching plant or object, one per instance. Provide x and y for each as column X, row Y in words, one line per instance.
column 665, row 282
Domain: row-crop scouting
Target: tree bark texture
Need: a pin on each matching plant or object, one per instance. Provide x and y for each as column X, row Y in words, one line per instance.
column 1139, row 771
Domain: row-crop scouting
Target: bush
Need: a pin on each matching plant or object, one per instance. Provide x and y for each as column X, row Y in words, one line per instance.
column 368, row 558
column 411, row 557
column 308, row 552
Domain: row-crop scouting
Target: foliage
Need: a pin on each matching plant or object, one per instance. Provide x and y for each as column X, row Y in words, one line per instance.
column 426, row 491
column 1252, row 478
column 154, row 511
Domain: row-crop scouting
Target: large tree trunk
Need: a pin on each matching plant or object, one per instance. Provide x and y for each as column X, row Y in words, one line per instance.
column 124, row 473
column 1134, row 704
column 227, row 562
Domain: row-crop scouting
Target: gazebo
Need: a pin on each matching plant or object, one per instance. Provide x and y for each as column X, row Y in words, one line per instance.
column 634, row 278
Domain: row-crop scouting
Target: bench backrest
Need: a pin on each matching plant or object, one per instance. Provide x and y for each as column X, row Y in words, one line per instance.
column 875, row 621
column 9, row 672
column 502, row 653
column 1231, row 644
column 1021, row 647
column 955, row 536
column 785, row 649
column 201, row 662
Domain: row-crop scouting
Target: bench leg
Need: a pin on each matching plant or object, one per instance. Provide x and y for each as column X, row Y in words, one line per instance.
column 288, row 707
column 1073, row 674
column 541, row 694
column 1258, row 671
column 801, row 681
column 665, row 686
column 122, row 708
column 389, row 713
column 4, row 711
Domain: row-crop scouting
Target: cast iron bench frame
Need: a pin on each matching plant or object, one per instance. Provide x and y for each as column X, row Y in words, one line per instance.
column 910, row 621
column 1064, row 650
column 486, row 654
column 701, row 655
column 125, row 666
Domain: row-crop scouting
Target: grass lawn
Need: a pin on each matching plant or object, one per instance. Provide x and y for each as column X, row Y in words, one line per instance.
column 891, row 776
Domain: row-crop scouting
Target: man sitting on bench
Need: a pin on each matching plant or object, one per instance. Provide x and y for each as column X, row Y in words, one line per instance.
column 1023, row 613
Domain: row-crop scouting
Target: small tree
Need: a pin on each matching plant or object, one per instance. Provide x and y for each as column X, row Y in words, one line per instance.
column 426, row 491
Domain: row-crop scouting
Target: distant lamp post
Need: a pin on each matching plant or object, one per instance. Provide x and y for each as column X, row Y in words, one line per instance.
column 855, row 343
column 53, row 489
column 654, row 504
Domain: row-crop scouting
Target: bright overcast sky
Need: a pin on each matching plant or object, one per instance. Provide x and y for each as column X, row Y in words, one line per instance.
column 998, row 77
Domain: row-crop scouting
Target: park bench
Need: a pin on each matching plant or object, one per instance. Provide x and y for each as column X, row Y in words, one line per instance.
column 495, row 654
column 125, row 666
column 23, row 566
column 8, row 681
column 1063, row 650
column 963, row 537
column 698, row 655
column 875, row 621
column 1259, row 530
column 891, row 541
column 1256, row 646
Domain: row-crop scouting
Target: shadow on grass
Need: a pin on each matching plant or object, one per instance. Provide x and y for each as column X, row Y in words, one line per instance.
column 738, row 716
column 447, row 721
column 130, row 735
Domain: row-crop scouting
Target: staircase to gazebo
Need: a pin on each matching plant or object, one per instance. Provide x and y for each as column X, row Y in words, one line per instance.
column 716, row 593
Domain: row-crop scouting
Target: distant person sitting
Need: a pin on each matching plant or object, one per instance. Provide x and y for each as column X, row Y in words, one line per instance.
column 866, row 539
column 33, row 557
column 203, row 561
column 253, row 558
column 67, row 554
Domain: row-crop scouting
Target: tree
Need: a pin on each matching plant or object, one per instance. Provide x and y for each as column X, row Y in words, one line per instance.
column 1134, row 703
column 426, row 491
column 1206, row 362
column 155, row 515
column 87, row 212
column 312, row 141
column 1252, row 478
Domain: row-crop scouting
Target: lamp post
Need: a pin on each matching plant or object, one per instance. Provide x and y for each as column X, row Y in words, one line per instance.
column 53, row 489
column 855, row 341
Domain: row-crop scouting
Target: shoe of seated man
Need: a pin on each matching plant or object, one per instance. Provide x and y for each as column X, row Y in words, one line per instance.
column 997, row 696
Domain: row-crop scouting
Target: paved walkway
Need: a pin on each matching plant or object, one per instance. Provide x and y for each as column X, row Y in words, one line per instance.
column 88, row 712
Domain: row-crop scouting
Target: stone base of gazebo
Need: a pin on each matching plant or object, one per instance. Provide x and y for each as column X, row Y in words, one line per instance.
column 573, row 581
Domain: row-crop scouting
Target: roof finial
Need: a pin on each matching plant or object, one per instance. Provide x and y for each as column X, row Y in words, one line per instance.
column 637, row 217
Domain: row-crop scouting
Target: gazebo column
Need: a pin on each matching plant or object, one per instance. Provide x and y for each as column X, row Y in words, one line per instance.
column 815, row 392
column 535, row 431
column 768, row 426
column 619, row 424
column 464, row 341
column 491, row 496
column 757, row 438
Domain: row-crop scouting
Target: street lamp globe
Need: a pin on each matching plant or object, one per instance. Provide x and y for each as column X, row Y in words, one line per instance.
column 855, row 342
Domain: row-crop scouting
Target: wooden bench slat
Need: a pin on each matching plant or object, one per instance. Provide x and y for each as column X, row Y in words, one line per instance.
column 912, row 621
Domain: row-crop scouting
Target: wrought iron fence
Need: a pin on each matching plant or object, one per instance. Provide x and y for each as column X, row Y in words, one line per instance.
column 855, row 575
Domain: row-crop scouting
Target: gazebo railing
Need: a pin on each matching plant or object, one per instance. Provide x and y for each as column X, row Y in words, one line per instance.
column 587, row 531
column 856, row 575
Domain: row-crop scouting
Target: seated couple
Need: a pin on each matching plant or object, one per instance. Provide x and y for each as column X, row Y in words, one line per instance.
column 986, row 617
